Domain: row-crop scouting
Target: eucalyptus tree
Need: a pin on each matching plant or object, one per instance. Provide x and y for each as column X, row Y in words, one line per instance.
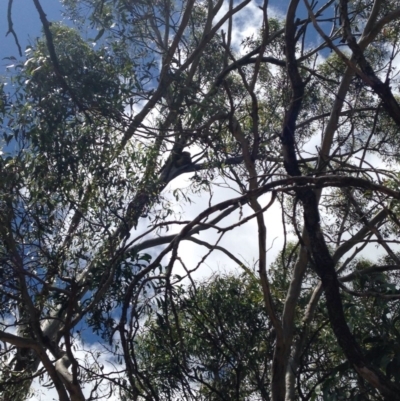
column 196, row 346
column 95, row 133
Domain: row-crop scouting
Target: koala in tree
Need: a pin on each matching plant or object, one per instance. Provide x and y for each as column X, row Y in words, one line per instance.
column 184, row 159
column 172, row 167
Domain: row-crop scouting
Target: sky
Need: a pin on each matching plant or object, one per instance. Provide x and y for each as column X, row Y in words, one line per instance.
column 27, row 26
column 244, row 241
column 26, row 22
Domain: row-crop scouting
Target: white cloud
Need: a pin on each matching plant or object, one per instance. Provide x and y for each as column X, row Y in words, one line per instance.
column 242, row 242
column 247, row 22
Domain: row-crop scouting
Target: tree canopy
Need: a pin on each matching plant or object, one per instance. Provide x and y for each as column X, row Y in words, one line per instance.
column 279, row 122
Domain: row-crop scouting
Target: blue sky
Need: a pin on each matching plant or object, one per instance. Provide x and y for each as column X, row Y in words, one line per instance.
column 26, row 24
column 28, row 27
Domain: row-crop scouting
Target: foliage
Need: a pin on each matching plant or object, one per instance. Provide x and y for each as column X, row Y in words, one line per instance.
column 197, row 344
column 103, row 291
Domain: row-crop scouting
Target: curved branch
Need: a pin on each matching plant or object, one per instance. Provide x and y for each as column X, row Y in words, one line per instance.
column 54, row 58
column 11, row 27
column 367, row 271
column 324, row 266
column 73, row 388
column 20, row 342
column 218, row 248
